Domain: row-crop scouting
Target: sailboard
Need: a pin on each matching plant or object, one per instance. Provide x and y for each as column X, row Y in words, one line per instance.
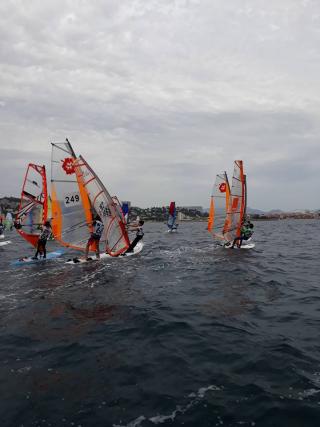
column 5, row 243
column 33, row 208
column 249, row 245
column 115, row 236
column 172, row 216
column 30, row 260
column 104, row 255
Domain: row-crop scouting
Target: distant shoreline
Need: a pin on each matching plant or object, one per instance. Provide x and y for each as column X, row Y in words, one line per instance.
column 186, row 221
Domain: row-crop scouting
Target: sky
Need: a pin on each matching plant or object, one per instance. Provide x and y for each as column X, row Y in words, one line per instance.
column 161, row 95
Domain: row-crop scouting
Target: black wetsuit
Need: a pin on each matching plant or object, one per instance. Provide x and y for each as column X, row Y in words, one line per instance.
column 138, row 237
column 41, row 247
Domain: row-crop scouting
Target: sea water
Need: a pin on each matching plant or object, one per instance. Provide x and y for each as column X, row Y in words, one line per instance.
column 186, row 333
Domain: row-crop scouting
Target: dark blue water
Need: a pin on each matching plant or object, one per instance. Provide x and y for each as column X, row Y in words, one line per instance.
column 186, row 333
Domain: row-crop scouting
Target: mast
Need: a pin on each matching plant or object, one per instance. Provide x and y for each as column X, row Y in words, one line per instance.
column 245, row 195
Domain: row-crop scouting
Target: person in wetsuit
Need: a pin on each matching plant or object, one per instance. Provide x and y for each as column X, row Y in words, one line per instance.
column 95, row 236
column 42, row 241
column 245, row 233
column 139, row 236
column 1, row 228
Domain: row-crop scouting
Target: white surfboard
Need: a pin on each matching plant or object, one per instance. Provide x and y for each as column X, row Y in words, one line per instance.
column 243, row 246
column 103, row 256
column 6, row 242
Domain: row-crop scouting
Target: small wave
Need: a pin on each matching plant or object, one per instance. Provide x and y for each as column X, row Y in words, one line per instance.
column 180, row 409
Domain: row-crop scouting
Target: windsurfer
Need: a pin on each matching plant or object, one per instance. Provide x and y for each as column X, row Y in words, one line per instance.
column 245, row 233
column 17, row 224
column 42, row 241
column 139, row 235
column 95, row 236
column 1, row 228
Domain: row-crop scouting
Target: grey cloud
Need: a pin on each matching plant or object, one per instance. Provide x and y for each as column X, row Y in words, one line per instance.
column 159, row 96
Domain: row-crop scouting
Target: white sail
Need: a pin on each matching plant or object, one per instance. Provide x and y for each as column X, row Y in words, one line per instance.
column 219, row 207
column 115, row 234
column 70, row 205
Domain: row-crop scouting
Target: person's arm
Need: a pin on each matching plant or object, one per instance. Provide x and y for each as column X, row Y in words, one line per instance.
column 133, row 226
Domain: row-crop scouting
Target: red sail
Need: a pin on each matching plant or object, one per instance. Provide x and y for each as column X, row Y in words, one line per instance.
column 33, row 207
column 172, row 208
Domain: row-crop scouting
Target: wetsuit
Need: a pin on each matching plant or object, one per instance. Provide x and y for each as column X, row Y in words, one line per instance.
column 245, row 234
column 97, row 232
column 138, row 237
column 95, row 237
column 41, row 247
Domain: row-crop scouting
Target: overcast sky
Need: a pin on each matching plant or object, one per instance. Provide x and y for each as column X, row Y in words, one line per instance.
column 160, row 95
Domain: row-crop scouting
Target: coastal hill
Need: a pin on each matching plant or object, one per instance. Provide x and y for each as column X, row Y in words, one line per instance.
column 9, row 204
column 184, row 213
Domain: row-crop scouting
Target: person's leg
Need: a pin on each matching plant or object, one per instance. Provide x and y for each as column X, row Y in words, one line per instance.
column 44, row 250
column 133, row 244
column 98, row 248
column 234, row 242
column 38, row 250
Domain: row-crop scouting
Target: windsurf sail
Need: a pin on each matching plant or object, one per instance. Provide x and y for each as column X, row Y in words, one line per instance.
column 115, row 233
column 172, row 216
column 219, row 207
column 237, row 208
column 118, row 207
column 33, row 208
column 70, row 205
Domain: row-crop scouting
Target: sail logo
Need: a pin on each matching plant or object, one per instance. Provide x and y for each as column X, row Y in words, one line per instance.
column 68, row 166
column 104, row 210
column 222, row 187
